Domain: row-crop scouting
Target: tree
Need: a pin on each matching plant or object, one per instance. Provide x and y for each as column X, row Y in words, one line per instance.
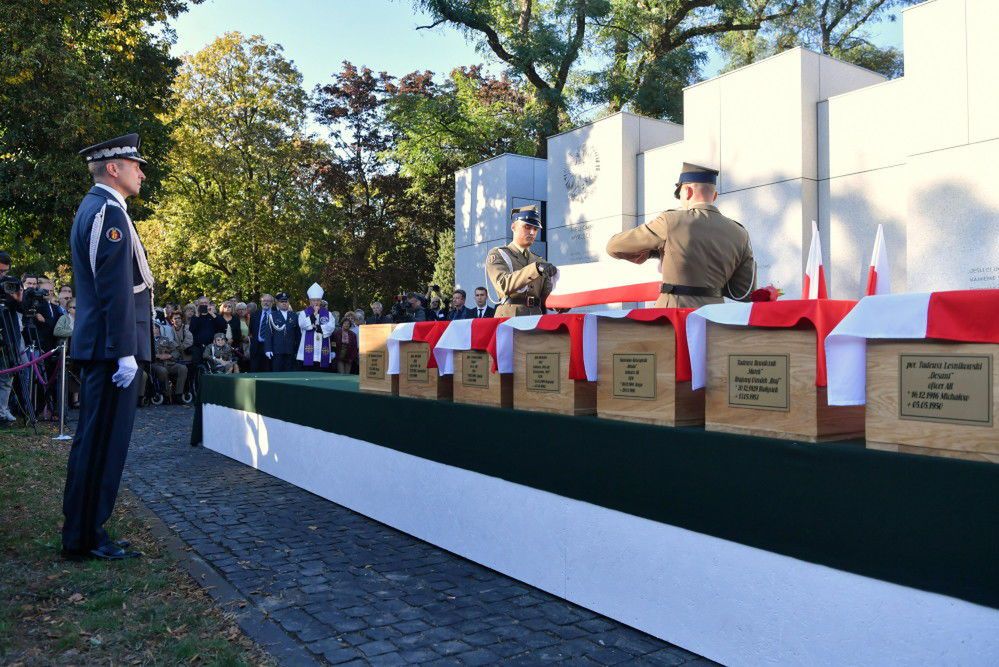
column 444, row 266
column 644, row 51
column 654, row 49
column 378, row 238
column 467, row 118
column 833, row 27
column 72, row 73
column 236, row 212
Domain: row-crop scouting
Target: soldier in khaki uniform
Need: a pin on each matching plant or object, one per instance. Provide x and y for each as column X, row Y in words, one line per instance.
column 705, row 256
column 522, row 279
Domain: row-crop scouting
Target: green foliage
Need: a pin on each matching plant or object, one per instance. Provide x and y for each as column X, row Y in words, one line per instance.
column 379, row 235
column 444, row 266
column 836, row 28
column 235, row 215
column 72, row 73
column 467, row 118
column 611, row 54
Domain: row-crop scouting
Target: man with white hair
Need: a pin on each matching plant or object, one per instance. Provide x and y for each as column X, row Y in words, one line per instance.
column 704, row 255
column 315, row 349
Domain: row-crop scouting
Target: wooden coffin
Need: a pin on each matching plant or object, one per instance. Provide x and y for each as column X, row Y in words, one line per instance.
column 637, row 378
column 415, row 379
column 475, row 383
column 933, row 397
column 541, row 376
column 373, row 363
column 761, row 381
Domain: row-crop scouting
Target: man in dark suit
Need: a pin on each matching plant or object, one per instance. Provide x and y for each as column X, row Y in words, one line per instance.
column 482, row 307
column 458, row 310
column 281, row 340
column 111, row 334
column 258, row 335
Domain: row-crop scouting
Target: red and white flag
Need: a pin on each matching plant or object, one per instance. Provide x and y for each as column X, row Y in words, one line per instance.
column 879, row 274
column 964, row 316
column 814, row 284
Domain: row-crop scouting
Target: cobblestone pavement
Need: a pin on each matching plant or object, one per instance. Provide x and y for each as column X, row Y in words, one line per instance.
column 349, row 589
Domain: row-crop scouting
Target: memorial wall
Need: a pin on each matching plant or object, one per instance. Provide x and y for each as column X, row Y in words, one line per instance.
column 797, row 137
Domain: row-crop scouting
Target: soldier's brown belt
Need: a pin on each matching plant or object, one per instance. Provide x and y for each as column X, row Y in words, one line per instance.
column 529, row 301
column 688, row 290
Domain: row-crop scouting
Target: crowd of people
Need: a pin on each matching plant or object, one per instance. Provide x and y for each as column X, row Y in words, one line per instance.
column 231, row 336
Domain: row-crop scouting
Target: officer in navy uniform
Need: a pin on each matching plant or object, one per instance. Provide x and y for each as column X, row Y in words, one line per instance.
column 281, row 339
column 112, row 332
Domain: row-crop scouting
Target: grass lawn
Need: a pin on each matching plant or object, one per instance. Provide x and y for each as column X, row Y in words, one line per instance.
column 52, row 611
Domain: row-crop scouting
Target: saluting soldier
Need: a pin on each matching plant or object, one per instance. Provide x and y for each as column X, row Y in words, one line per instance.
column 522, row 279
column 704, row 255
column 281, row 339
column 112, row 332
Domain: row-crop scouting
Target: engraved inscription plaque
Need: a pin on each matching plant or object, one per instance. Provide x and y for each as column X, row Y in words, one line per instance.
column 952, row 389
column 759, row 381
column 416, row 365
column 635, row 376
column 542, row 371
column 475, row 369
column 376, row 365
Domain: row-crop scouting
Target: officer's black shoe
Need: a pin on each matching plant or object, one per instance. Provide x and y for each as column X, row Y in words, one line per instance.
column 122, row 544
column 113, row 552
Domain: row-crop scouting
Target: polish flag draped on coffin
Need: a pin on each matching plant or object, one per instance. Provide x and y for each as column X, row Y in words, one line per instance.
column 820, row 314
column 966, row 316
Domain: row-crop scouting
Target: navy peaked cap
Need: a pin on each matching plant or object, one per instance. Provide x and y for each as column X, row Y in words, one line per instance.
column 529, row 214
column 120, row 148
column 695, row 173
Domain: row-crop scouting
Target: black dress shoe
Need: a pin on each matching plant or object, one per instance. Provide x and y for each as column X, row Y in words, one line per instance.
column 123, row 544
column 113, row 552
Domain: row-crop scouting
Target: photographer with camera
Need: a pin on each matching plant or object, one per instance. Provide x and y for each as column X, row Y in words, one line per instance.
column 409, row 308
column 41, row 315
column 11, row 343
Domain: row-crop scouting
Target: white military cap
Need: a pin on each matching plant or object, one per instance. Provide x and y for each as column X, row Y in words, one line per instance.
column 315, row 292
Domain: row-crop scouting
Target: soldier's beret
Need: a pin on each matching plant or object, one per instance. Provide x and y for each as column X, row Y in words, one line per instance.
column 120, row 148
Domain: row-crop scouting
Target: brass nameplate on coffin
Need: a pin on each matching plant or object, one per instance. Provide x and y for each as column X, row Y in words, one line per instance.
column 542, row 371
column 759, row 381
column 952, row 389
column 376, row 365
column 416, row 365
column 635, row 376
column 475, row 369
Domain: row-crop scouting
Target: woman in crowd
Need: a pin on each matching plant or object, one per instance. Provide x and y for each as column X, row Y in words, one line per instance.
column 345, row 345
column 227, row 323
column 189, row 312
column 244, row 329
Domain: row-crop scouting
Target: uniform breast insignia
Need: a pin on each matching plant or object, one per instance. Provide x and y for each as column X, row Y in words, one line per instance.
column 113, row 234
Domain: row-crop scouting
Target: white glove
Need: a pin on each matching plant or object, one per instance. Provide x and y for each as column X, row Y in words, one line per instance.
column 127, row 369
column 269, row 355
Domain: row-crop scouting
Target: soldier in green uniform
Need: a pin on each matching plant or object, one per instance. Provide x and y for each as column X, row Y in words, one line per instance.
column 704, row 255
column 522, row 279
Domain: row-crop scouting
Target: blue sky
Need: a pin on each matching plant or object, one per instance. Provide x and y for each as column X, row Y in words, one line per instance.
column 381, row 34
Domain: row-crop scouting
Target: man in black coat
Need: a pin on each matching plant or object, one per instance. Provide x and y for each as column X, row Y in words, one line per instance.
column 458, row 310
column 482, row 307
column 258, row 335
column 111, row 335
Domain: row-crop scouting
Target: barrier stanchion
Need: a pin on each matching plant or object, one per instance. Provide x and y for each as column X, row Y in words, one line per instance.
column 62, row 395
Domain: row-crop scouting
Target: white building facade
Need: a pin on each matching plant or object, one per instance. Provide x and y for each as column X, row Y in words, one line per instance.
column 797, row 137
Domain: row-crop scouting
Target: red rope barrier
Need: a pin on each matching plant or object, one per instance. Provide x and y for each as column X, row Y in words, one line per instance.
column 28, row 364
